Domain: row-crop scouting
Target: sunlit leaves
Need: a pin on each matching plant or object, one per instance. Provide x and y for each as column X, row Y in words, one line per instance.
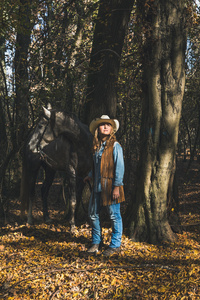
column 48, row 262
column 41, row 261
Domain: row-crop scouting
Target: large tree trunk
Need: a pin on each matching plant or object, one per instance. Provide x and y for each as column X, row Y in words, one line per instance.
column 164, row 81
column 3, row 94
column 3, row 135
column 111, row 25
column 21, row 70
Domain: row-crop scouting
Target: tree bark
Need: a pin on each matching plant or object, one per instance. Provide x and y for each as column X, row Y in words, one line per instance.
column 164, row 81
column 3, row 135
column 21, row 70
column 111, row 25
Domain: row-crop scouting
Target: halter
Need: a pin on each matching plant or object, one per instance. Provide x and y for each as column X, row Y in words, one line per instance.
column 43, row 155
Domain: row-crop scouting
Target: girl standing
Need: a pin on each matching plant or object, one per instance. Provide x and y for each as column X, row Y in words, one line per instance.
column 107, row 174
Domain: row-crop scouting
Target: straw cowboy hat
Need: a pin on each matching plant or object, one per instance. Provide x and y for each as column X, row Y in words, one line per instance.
column 103, row 119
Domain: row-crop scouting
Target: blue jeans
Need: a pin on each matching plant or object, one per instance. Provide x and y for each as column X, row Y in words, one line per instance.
column 115, row 217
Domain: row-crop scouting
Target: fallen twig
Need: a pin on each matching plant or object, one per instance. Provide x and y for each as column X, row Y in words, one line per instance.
column 54, row 293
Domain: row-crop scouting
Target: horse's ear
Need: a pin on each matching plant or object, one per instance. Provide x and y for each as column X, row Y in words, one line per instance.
column 53, row 119
column 49, row 106
column 47, row 113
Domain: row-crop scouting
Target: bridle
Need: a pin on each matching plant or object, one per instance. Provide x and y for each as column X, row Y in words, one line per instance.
column 43, row 155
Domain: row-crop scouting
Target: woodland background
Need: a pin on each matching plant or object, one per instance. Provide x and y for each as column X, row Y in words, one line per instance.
column 46, row 57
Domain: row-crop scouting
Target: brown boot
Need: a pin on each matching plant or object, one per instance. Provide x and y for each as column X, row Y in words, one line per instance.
column 111, row 251
column 94, row 249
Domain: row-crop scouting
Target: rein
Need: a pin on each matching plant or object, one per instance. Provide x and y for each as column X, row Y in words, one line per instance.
column 45, row 128
column 45, row 157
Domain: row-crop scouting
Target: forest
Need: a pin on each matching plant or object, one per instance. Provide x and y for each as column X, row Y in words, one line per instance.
column 137, row 61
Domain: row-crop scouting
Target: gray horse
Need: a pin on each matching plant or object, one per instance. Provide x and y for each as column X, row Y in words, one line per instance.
column 59, row 142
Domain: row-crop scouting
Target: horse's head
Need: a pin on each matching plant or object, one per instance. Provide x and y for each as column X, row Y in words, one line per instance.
column 44, row 131
column 54, row 123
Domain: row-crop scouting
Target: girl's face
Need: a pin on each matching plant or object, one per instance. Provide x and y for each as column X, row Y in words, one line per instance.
column 105, row 130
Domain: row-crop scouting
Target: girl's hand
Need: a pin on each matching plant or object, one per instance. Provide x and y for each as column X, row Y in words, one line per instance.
column 115, row 193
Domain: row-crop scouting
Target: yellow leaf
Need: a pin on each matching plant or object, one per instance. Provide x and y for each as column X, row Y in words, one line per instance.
column 162, row 289
column 85, row 291
column 76, row 294
column 113, row 281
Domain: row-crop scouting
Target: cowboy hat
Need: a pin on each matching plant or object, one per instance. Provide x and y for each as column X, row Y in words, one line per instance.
column 103, row 119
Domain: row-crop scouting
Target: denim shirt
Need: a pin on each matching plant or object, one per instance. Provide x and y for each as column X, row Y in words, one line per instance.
column 118, row 166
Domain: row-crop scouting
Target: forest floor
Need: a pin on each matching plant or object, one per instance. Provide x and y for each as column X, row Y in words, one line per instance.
column 49, row 262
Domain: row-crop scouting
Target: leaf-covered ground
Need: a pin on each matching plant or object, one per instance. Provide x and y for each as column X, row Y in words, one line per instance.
column 48, row 262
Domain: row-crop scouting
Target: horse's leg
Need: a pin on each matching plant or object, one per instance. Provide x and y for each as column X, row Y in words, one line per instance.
column 79, row 190
column 32, row 181
column 49, row 177
column 72, row 187
column 24, row 191
column 72, row 201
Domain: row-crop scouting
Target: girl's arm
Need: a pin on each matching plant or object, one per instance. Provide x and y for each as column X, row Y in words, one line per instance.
column 118, row 165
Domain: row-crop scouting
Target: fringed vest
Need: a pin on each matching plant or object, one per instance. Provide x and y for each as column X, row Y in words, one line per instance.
column 107, row 175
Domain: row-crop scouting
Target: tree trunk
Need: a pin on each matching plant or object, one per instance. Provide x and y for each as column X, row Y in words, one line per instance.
column 21, row 71
column 196, row 139
column 164, row 81
column 111, row 25
column 3, row 135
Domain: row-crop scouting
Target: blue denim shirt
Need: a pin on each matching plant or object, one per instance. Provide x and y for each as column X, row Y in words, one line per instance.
column 118, row 166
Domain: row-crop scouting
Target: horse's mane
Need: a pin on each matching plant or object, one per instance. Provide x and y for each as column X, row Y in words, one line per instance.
column 83, row 127
column 67, row 114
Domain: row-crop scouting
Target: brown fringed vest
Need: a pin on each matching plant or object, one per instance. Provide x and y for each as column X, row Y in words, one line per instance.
column 107, row 174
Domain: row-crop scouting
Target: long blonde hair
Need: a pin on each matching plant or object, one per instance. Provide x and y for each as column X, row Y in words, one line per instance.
column 97, row 141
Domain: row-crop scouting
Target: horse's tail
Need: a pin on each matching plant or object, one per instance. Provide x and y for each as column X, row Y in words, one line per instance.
column 24, row 189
